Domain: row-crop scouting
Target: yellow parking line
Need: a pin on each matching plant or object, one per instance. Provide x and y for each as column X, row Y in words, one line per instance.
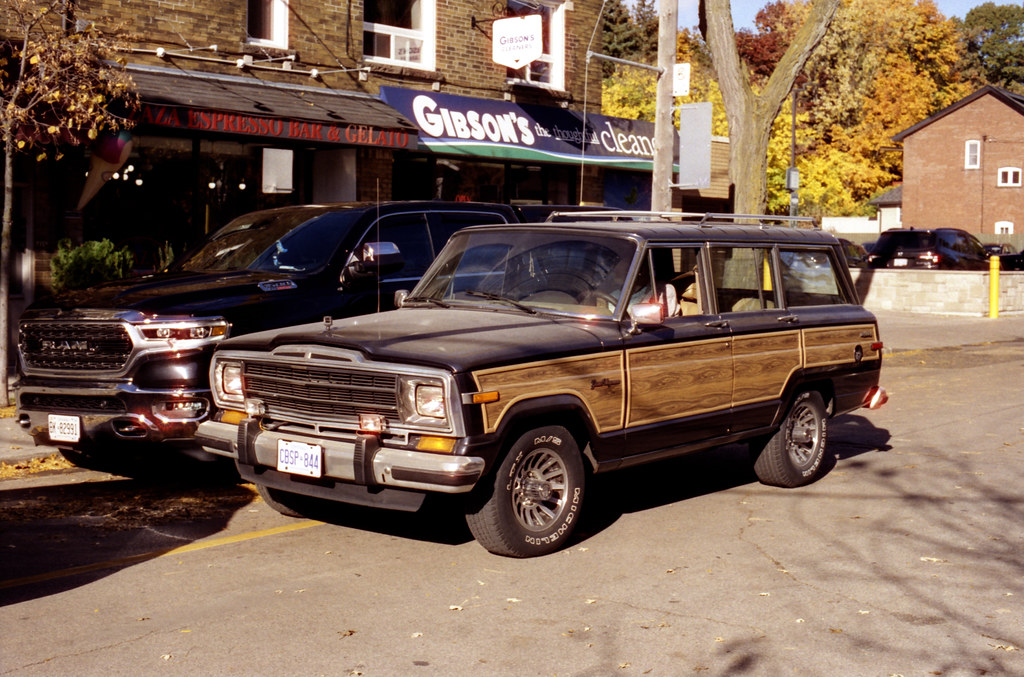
column 124, row 561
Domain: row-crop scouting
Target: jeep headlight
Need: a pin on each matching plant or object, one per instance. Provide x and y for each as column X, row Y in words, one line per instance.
column 423, row 402
column 227, row 383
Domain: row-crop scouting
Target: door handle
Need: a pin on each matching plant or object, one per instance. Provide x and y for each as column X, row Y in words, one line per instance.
column 792, row 319
column 717, row 323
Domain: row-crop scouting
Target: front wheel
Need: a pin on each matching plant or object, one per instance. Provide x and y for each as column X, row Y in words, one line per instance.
column 284, row 502
column 534, row 502
column 793, row 456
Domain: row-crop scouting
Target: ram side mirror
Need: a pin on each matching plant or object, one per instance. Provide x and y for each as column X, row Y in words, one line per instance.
column 373, row 259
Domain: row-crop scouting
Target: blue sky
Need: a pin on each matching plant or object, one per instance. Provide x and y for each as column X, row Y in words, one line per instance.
column 743, row 11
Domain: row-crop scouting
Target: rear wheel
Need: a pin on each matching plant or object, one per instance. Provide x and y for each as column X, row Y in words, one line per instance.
column 534, row 502
column 793, row 456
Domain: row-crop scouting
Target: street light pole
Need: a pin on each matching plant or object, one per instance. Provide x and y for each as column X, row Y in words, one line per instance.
column 793, row 174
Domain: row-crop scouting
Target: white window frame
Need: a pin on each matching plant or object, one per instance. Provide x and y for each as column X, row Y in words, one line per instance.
column 555, row 59
column 278, row 27
column 972, row 154
column 426, row 36
column 1009, row 177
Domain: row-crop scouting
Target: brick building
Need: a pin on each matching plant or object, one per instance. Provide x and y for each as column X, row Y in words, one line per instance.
column 248, row 104
column 962, row 167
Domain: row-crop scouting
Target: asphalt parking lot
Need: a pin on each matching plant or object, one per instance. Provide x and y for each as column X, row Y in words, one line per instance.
column 904, row 559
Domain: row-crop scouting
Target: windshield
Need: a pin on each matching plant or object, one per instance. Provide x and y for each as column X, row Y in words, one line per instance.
column 299, row 240
column 535, row 271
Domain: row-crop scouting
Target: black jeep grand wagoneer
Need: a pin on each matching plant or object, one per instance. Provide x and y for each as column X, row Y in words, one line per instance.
column 530, row 356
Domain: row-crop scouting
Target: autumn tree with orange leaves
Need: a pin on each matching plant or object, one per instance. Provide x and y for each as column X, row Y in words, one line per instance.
column 59, row 84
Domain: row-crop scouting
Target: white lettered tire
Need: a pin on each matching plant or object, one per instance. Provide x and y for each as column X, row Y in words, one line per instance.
column 535, row 500
column 794, row 455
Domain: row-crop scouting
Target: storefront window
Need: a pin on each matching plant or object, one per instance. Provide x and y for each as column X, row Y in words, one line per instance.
column 400, row 32
column 173, row 192
column 425, row 177
column 549, row 69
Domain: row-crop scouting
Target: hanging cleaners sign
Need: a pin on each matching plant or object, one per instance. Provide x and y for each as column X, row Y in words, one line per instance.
column 517, row 40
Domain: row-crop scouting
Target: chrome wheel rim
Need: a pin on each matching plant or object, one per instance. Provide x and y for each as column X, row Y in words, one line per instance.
column 804, row 436
column 539, row 489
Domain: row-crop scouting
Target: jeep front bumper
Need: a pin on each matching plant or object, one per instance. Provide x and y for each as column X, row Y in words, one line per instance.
column 359, row 460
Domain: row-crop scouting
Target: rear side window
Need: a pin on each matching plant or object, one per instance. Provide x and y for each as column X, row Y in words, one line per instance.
column 889, row 242
column 743, row 279
column 409, row 232
column 809, row 278
column 445, row 224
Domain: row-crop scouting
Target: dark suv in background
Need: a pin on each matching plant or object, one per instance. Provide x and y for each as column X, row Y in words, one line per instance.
column 122, row 365
column 939, row 248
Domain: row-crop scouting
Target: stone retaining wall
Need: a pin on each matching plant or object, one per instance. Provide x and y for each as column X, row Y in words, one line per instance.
column 941, row 292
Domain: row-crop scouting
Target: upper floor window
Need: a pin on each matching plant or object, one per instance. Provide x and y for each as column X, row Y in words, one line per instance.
column 972, row 154
column 549, row 69
column 1009, row 177
column 267, row 23
column 399, row 32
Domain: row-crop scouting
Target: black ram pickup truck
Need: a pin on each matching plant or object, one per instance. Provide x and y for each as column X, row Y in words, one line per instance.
column 530, row 356
column 106, row 372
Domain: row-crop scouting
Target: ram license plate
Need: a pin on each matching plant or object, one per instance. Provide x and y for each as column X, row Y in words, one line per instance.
column 64, row 428
column 300, row 458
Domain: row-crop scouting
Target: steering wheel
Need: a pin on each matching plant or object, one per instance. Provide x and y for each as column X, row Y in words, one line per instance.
column 596, row 296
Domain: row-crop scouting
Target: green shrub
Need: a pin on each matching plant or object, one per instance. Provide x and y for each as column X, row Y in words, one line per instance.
column 90, row 263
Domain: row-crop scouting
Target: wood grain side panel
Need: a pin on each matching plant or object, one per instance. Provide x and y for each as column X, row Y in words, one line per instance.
column 598, row 381
column 764, row 364
column 837, row 345
column 678, row 380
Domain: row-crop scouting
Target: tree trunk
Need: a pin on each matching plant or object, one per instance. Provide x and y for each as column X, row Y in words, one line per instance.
column 5, row 255
column 751, row 114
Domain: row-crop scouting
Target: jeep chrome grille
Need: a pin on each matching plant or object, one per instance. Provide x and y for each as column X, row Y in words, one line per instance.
column 82, row 346
column 292, row 391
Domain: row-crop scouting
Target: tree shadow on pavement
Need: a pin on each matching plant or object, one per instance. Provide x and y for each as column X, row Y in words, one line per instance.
column 64, row 529
column 611, row 495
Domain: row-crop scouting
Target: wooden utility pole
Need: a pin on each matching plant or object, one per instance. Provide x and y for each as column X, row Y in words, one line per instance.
column 661, row 180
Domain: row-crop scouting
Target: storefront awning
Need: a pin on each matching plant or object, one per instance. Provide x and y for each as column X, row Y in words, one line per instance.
column 463, row 125
column 209, row 103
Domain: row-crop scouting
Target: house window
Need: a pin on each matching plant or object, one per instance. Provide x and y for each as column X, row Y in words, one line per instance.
column 972, row 154
column 1009, row 177
column 549, row 69
column 267, row 23
column 399, row 32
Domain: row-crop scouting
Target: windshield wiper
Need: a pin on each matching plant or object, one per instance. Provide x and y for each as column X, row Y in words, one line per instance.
column 496, row 297
column 427, row 299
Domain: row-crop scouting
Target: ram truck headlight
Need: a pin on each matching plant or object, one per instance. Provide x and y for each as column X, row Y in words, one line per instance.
column 185, row 330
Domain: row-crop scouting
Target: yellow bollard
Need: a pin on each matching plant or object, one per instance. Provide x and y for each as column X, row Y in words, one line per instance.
column 993, row 286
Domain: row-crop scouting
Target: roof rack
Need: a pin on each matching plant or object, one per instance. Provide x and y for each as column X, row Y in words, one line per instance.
column 706, row 218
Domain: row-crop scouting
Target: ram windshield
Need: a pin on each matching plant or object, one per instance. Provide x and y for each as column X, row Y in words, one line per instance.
column 532, row 271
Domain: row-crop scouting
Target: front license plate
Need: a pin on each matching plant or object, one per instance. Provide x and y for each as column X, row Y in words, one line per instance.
column 64, row 428
column 300, row 458
column 899, row 263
